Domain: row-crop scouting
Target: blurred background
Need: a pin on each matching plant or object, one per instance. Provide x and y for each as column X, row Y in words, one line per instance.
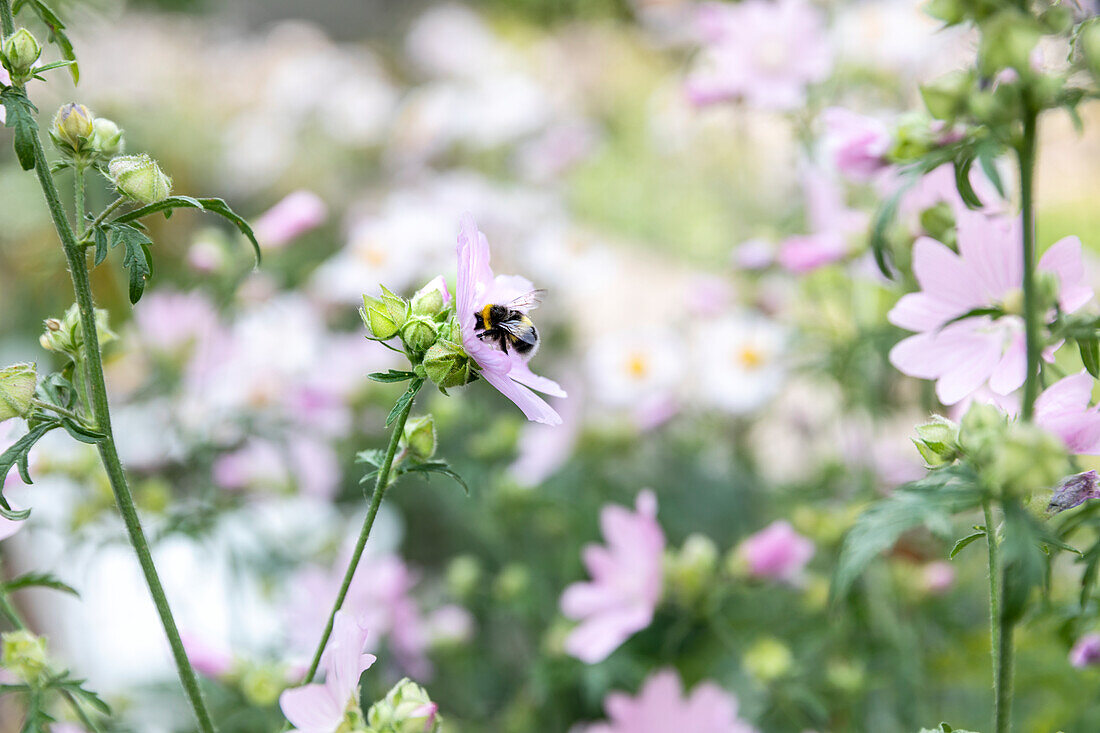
column 705, row 360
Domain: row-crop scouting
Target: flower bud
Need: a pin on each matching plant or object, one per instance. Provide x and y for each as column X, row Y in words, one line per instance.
column 72, row 127
column 447, row 365
column 512, row 582
column 24, row 654
column 106, row 138
column 419, row 333
column 463, row 576
column 1074, row 491
column 397, row 306
column 768, row 659
column 377, row 319
column 66, row 335
column 1088, row 41
column 938, row 441
column 419, row 437
column 17, row 383
column 946, row 96
column 405, row 709
column 21, row 50
column 1007, row 41
column 1027, row 459
column 261, row 684
column 845, row 675
column 690, row 571
column 431, row 299
column 983, row 428
column 140, row 178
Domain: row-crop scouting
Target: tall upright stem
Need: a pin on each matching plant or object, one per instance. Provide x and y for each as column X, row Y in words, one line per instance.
column 381, row 483
column 995, row 624
column 93, row 366
column 1026, row 156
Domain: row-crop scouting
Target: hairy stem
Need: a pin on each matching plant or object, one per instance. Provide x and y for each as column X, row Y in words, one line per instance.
column 381, row 483
column 93, row 368
column 78, row 195
column 7, row 22
column 86, row 237
column 1026, row 155
column 995, row 625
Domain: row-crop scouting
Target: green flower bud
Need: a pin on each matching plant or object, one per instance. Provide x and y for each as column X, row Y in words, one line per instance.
column 512, row 582
column 419, row 333
column 938, row 441
column 261, row 684
column 768, row 659
column 377, row 319
column 429, row 301
column 17, row 383
column 447, row 364
column 140, row 178
column 982, row 430
column 845, row 675
column 947, row 96
column 419, row 437
column 1007, row 41
column 463, row 576
column 24, row 654
column 106, row 138
column 21, row 50
column 1088, row 41
column 405, row 709
column 66, row 335
column 72, row 127
column 950, row 12
column 690, row 571
column 397, row 306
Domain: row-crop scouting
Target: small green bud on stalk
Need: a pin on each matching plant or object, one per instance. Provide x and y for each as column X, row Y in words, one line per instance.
column 407, row 708
column 140, row 178
column 938, row 441
column 24, row 654
column 512, row 582
column 420, row 438
column 419, row 333
column 982, row 429
column 768, row 660
column 428, row 302
column 66, row 335
column 17, row 383
column 21, row 49
column 106, row 138
column 72, row 128
column 377, row 319
column 397, row 306
column 261, row 684
column 463, row 576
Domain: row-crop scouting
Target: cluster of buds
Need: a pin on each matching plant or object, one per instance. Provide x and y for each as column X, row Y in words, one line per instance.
column 24, row 655
column 84, row 138
column 66, row 335
column 18, row 53
column 17, row 383
column 1014, row 457
column 428, row 330
column 405, row 709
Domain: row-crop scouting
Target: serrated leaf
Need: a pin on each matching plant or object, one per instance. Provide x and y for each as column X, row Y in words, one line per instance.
column 39, row 580
column 929, row 502
column 20, row 117
column 212, row 205
column 404, row 400
column 440, row 467
column 16, row 455
column 1090, row 354
column 100, row 246
column 963, row 542
column 391, row 376
column 137, row 258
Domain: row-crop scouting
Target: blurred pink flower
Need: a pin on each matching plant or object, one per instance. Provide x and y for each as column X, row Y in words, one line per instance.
column 938, row 186
column 321, row 707
column 964, row 355
column 1063, row 409
column 754, row 254
column 806, row 252
column 209, row 659
column 1086, row 652
column 763, row 52
column 477, row 287
column 8, row 527
column 290, row 218
column 260, row 465
column 626, row 581
column 170, row 321
column 938, row 577
column 777, row 552
column 856, row 143
column 830, row 222
column 661, row 707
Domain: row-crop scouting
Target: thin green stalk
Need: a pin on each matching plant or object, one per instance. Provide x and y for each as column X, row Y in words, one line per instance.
column 995, row 626
column 93, row 365
column 86, row 237
column 7, row 22
column 1026, row 155
column 381, row 483
column 78, row 195
column 58, row 409
column 1002, row 693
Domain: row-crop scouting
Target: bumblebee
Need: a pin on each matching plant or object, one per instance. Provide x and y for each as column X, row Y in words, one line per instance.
column 508, row 326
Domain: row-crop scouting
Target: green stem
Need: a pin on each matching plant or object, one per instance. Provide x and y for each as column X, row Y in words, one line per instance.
column 78, row 194
column 93, row 365
column 1026, row 155
column 59, row 410
column 995, row 625
column 381, row 483
column 7, row 22
column 86, row 237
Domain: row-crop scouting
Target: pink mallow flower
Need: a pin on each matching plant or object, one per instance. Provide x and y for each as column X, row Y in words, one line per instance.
column 1063, row 409
column 661, row 707
column 763, row 52
column 626, row 581
column 208, row 657
column 322, row 707
column 1086, row 652
column 777, row 552
column 856, row 143
column 289, row 219
column 987, row 272
column 478, row 287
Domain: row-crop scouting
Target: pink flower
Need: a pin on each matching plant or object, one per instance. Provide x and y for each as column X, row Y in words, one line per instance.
column 543, row 449
column 777, row 552
column 290, row 218
column 763, row 52
column 938, row 577
column 806, row 252
column 987, row 272
column 209, row 659
column 8, row 527
column 1086, row 652
column 321, row 707
column 478, row 287
column 856, row 143
column 831, row 223
column 661, row 707
column 626, row 581
column 1063, row 409
column 170, row 321
column 754, row 254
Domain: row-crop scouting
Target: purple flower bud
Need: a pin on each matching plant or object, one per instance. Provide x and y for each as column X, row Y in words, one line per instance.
column 1086, row 651
column 1075, row 491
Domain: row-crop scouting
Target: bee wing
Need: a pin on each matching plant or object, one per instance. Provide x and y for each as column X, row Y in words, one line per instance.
column 520, row 331
column 527, row 301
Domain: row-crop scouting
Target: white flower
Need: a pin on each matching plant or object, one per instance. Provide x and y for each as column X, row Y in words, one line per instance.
column 740, row 362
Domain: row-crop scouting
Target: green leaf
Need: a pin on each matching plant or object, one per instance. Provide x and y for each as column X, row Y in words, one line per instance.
column 39, row 580
column 885, row 215
column 1090, row 354
column 929, row 502
column 20, row 117
column 392, row 376
column 404, row 400
column 100, row 246
column 440, row 467
column 963, row 542
column 57, row 32
column 987, row 159
column 82, row 433
column 137, row 257
column 16, row 455
column 1025, row 564
column 963, row 164
column 212, row 205
column 54, row 65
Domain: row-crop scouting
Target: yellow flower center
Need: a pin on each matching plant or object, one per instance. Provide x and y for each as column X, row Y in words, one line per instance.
column 750, row 357
column 637, row 366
